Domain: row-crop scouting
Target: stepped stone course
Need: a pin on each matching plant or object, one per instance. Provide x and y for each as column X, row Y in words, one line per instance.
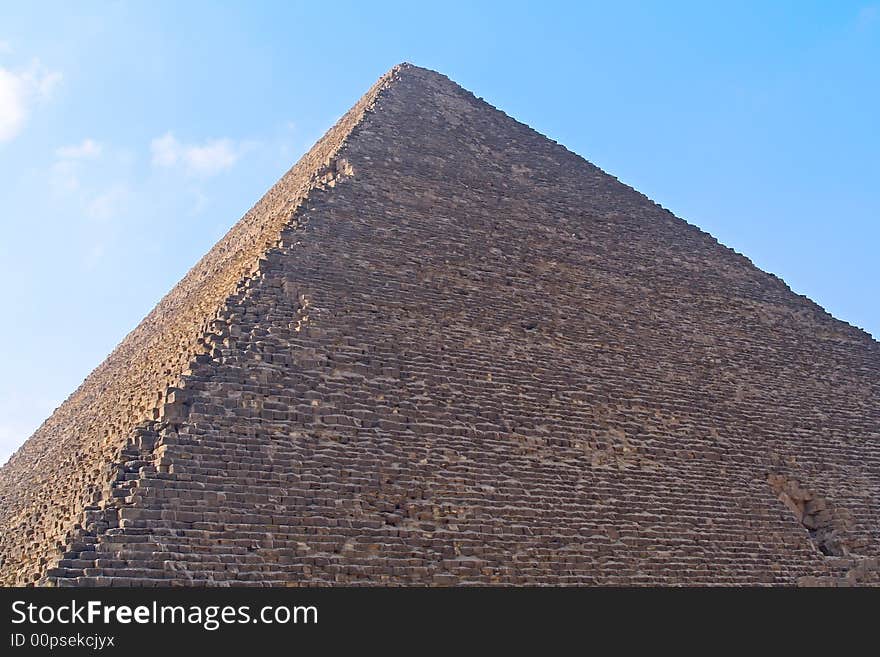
column 443, row 349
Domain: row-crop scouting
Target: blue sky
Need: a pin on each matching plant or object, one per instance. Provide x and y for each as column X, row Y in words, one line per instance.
column 134, row 134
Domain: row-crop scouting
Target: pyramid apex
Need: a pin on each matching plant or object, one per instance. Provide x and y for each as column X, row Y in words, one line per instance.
column 405, row 65
column 412, row 68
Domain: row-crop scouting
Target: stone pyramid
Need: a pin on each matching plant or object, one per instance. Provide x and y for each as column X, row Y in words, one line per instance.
column 443, row 349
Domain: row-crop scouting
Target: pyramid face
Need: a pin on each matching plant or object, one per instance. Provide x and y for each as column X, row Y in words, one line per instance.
column 445, row 350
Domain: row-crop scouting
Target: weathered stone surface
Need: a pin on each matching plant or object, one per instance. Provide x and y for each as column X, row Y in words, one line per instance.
column 443, row 349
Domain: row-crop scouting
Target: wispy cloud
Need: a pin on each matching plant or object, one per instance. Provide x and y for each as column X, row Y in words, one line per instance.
column 106, row 211
column 41, row 80
column 65, row 171
column 87, row 149
column 108, row 204
column 19, row 91
column 203, row 160
column 64, row 176
column 95, row 179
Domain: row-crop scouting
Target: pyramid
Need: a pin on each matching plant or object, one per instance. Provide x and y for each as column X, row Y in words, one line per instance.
column 443, row 349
